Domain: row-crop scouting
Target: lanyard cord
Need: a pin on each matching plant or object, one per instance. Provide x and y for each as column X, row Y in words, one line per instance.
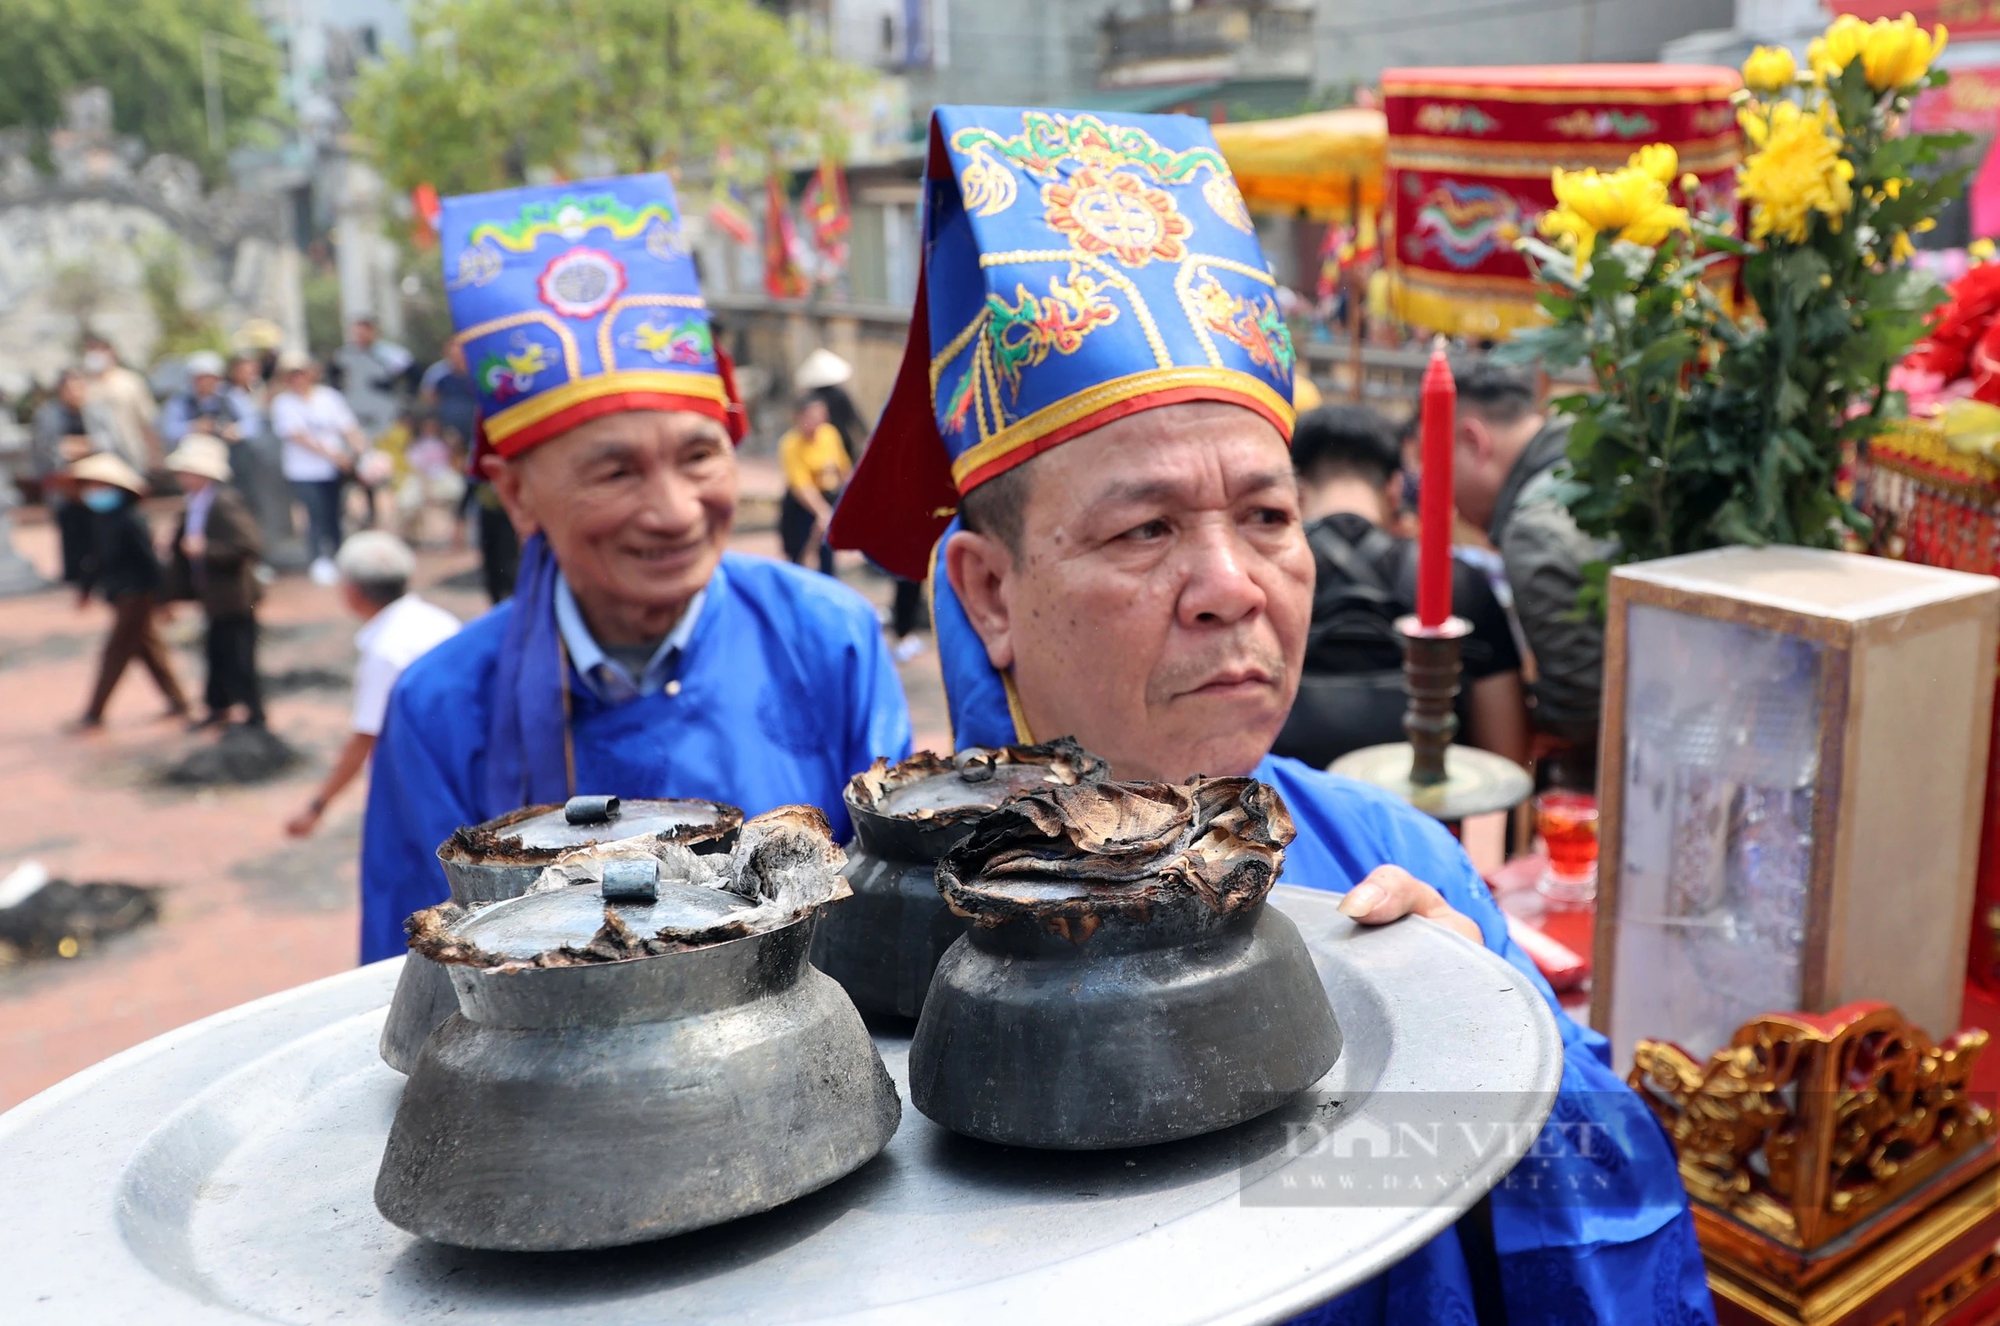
column 569, row 738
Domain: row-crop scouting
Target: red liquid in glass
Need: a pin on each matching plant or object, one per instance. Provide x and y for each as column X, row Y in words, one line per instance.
column 1568, row 824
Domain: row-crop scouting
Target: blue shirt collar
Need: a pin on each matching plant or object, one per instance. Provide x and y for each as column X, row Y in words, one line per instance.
column 606, row 677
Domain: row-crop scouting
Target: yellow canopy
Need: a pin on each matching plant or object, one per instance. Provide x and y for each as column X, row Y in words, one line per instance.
column 1308, row 163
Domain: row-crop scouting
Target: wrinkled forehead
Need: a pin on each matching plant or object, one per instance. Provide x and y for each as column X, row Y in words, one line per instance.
column 634, row 434
column 1193, row 454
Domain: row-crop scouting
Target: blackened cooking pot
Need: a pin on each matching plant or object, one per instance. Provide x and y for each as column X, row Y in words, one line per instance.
column 1122, row 980
column 503, row 858
column 639, row 1055
column 883, row 943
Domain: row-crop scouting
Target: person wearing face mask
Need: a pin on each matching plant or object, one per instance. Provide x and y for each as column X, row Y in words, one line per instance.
column 636, row 657
column 62, row 435
column 124, row 401
column 122, row 570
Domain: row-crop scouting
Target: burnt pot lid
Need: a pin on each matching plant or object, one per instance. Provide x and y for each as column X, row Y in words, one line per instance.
column 941, row 789
column 1100, row 848
column 643, row 897
column 545, row 830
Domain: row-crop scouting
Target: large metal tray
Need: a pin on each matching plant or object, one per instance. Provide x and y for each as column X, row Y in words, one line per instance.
column 223, row 1172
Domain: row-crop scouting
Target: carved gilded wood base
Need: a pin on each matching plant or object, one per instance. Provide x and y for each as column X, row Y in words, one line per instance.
column 1933, row 1260
column 1843, row 1171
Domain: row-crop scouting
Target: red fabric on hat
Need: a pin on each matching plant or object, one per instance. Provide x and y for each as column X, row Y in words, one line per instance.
column 732, row 416
column 902, row 495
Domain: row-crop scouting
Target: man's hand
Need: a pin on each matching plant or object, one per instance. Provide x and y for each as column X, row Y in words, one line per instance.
column 194, row 545
column 302, row 824
column 1391, row 892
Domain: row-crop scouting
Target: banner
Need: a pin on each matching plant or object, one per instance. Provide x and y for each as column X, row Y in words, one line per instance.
column 782, row 277
column 1470, row 155
column 824, row 206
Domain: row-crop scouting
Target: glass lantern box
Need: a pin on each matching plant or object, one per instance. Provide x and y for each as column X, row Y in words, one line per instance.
column 1791, row 777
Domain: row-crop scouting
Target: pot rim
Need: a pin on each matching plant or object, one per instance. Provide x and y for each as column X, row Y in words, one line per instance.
column 457, row 851
column 867, row 790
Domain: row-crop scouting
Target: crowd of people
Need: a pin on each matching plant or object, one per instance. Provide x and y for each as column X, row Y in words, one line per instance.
column 245, row 444
column 1137, row 541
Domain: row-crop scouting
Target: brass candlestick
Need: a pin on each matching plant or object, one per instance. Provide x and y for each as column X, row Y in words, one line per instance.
column 1430, row 679
column 1444, row 780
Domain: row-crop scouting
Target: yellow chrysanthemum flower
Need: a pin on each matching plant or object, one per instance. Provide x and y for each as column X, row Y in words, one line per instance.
column 1899, row 53
column 1630, row 203
column 1658, row 160
column 1795, row 171
column 1769, row 69
column 1900, row 248
column 1980, row 250
column 1894, row 53
column 1838, row 47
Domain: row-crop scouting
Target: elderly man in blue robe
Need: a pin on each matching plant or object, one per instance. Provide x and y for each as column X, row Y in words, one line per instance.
column 637, row 657
column 1088, row 445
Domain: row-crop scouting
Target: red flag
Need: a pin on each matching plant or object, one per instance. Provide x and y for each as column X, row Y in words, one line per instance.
column 424, row 202
column 782, row 278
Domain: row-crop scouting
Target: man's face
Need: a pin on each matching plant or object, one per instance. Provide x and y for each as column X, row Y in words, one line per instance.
column 364, row 334
column 1159, row 607
column 206, row 384
column 243, row 372
column 636, row 506
column 71, row 391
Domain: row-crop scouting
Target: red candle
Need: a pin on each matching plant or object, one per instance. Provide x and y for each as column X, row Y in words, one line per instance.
column 1440, row 409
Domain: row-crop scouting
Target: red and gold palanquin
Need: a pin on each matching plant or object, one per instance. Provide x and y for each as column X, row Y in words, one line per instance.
column 1470, row 154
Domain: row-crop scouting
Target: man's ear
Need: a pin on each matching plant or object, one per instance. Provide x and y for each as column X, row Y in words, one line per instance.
column 980, row 568
column 1476, row 436
column 505, row 476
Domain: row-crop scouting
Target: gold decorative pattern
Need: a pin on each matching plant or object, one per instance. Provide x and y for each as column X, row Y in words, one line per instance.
column 572, row 360
column 1088, row 402
column 1226, row 201
column 986, row 185
column 1966, row 1280
column 1048, row 140
column 1803, row 1127
column 1118, row 215
column 1254, row 325
column 605, row 338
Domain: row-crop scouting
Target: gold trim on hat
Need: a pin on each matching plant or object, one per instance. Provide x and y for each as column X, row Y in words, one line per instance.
column 1106, row 394
column 704, row 386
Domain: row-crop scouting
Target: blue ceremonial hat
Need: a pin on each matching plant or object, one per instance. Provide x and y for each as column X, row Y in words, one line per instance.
column 1077, row 268
column 578, row 300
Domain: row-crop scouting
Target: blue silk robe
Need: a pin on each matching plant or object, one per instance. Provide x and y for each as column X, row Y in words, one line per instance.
column 786, row 692
column 1625, row 1253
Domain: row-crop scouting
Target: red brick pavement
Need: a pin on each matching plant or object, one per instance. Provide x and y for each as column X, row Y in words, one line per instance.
column 246, row 910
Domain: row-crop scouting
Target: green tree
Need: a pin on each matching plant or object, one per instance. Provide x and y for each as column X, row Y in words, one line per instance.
column 148, row 54
column 491, row 88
